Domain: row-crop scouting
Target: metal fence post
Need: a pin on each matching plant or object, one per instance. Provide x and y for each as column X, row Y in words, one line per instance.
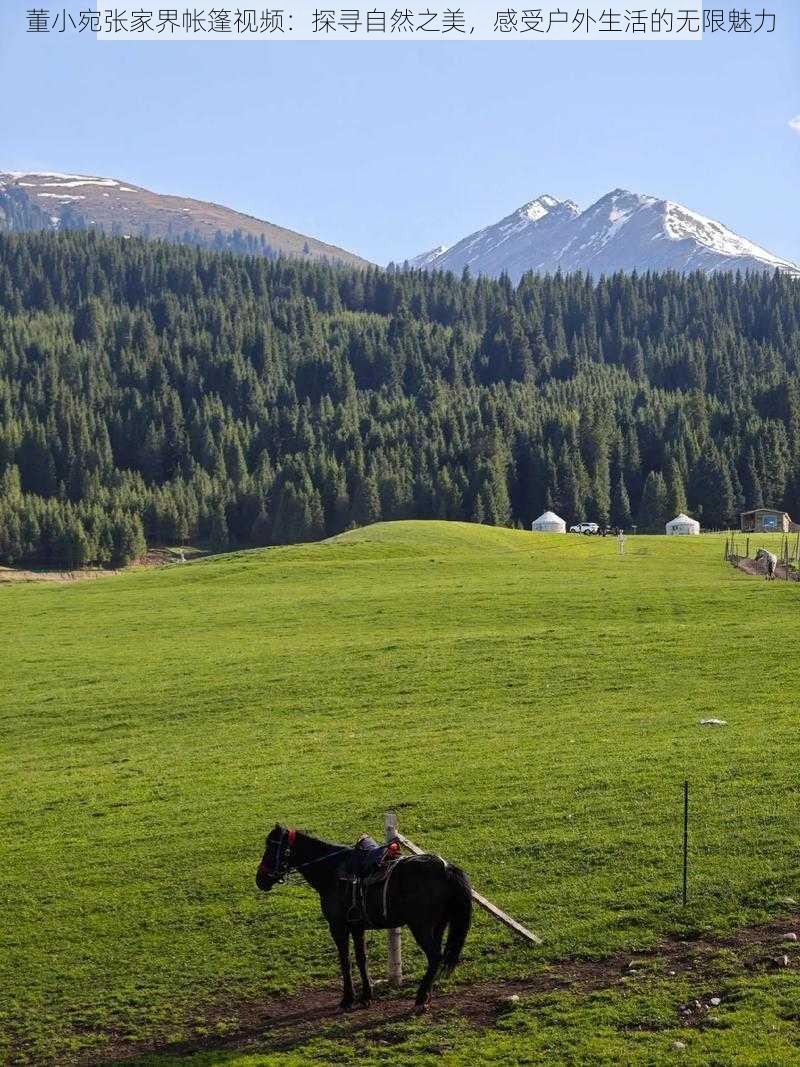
column 685, row 892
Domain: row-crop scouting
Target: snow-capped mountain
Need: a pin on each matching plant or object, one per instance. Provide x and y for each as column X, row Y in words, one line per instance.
column 424, row 259
column 43, row 201
column 621, row 231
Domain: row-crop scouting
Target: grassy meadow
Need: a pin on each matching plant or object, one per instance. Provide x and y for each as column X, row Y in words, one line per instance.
column 528, row 703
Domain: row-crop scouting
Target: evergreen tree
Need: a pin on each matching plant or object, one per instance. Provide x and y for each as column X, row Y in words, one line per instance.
column 366, row 507
column 72, row 547
column 218, row 534
column 127, row 540
column 601, row 492
column 676, row 493
column 751, row 483
column 621, row 506
column 712, row 490
column 654, row 505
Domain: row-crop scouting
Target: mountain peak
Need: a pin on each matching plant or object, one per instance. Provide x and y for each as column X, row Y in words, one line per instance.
column 628, row 198
column 619, row 193
column 538, row 208
column 622, row 231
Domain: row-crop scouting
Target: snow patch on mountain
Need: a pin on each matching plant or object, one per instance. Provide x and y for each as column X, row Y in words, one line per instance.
column 425, row 259
column 681, row 223
column 72, row 183
column 498, row 248
column 15, row 174
column 622, row 231
column 538, row 208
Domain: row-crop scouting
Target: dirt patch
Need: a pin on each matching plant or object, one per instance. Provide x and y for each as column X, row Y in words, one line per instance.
column 11, row 575
column 155, row 557
column 759, row 570
column 281, row 1023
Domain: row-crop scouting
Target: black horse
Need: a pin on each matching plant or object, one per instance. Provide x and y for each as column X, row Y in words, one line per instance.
column 425, row 893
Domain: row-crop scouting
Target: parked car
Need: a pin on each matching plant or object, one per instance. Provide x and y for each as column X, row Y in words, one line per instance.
column 585, row 528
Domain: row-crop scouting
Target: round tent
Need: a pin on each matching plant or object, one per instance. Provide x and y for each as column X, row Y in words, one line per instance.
column 549, row 522
column 682, row 524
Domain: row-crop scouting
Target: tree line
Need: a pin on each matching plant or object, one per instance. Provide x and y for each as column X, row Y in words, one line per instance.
column 163, row 394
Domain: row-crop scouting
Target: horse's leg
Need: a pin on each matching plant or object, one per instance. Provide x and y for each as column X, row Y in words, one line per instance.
column 341, row 936
column 361, row 960
column 429, row 940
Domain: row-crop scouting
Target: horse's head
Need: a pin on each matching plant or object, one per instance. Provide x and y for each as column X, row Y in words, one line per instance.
column 277, row 859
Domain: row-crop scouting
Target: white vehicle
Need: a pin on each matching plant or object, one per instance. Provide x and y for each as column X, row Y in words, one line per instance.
column 585, row 528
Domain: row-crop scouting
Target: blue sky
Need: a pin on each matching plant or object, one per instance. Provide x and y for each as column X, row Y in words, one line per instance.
column 389, row 149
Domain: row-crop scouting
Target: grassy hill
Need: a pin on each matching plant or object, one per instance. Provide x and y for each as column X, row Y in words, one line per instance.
column 528, row 703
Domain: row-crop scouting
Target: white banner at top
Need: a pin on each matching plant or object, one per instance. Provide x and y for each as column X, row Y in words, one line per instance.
column 458, row 20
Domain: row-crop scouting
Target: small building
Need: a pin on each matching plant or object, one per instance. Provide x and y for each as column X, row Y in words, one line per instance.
column 682, row 525
column 765, row 520
column 549, row 522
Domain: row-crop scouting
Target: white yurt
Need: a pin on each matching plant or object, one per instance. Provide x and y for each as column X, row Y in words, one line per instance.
column 682, row 524
column 549, row 522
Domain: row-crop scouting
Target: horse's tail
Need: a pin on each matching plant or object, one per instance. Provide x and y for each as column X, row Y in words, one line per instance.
column 460, row 917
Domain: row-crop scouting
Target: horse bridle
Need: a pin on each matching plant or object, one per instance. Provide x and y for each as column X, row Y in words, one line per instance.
column 283, row 855
column 284, row 848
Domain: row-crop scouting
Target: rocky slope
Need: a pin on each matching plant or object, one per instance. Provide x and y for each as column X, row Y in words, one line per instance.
column 43, row 201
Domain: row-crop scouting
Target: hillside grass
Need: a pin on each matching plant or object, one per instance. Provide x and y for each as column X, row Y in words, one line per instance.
column 528, row 703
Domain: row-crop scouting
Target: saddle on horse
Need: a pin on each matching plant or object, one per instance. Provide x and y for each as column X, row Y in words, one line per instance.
column 367, row 865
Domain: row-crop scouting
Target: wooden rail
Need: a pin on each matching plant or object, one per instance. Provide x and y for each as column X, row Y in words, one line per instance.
column 479, row 899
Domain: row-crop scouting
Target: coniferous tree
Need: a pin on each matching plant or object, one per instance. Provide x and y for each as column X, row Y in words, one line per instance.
column 601, row 492
column 751, row 483
column 128, row 542
column 621, row 505
column 366, row 507
column 218, row 534
column 712, row 490
column 72, row 548
column 676, row 493
column 654, row 505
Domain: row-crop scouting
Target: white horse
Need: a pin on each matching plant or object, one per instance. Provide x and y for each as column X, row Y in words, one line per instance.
column 771, row 562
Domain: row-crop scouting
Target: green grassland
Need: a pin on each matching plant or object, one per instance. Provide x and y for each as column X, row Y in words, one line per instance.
column 529, row 705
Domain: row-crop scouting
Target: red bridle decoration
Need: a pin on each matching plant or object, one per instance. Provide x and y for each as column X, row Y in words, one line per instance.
column 292, row 837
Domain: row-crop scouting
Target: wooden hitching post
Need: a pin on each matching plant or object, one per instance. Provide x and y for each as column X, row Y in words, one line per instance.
column 395, row 938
